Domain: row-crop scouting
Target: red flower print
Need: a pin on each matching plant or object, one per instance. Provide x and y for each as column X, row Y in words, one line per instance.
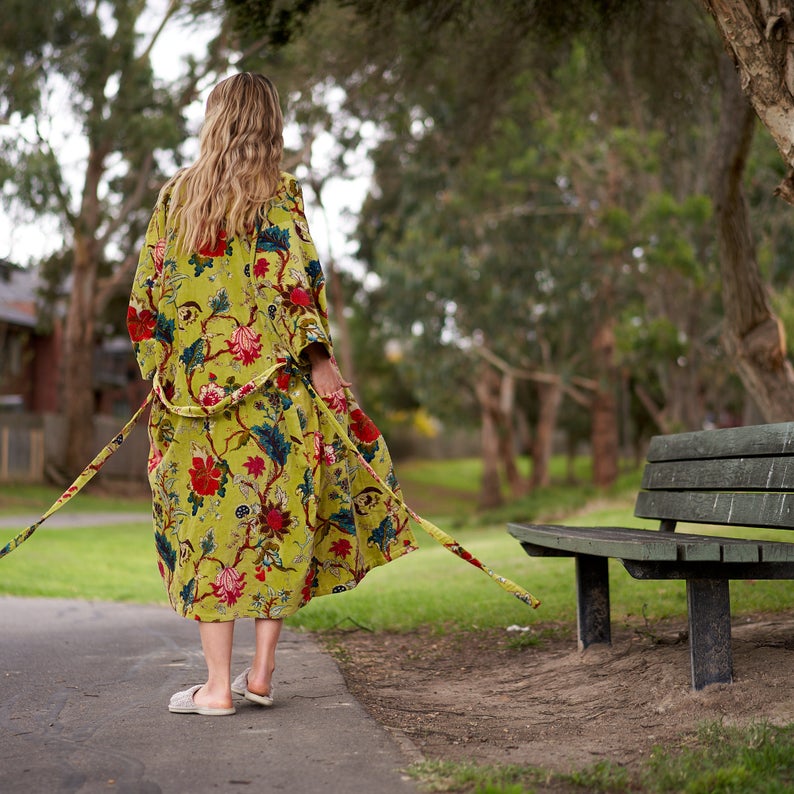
column 282, row 380
column 329, row 454
column 275, row 519
column 306, row 592
column 363, row 427
column 205, row 476
column 341, row 548
column 217, row 248
column 158, row 254
column 275, row 523
column 260, row 573
column 154, row 460
column 260, row 267
column 140, row 324
column 336, row 401
column 245, row 345
column 211, row 394
column 300, row 297
column 255, row 466
column 228, row 585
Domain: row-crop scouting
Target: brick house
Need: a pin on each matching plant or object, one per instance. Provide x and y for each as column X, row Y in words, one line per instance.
column 29, row 357
column 32, row 430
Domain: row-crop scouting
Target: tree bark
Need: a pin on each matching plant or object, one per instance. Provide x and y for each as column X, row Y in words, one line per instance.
column 79, row 328
column 604, row 432
column 752, row 334
column 507, row 435
column 549, row 399
column 487, row 390
column 760, row 37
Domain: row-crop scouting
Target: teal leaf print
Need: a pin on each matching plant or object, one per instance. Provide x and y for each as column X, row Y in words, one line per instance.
column 273, row 239
column 196, row 500
column 219, row 302
column 164, row 330
column 208, row 544
column 199, row 264
column 385, row 534
column 188, row 592
column 193, row 355
column 166, row 551
column 273, row 442
column 345, row 520
column 306, row 488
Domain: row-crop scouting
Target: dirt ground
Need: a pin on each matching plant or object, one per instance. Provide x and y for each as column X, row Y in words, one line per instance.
column 478, row 697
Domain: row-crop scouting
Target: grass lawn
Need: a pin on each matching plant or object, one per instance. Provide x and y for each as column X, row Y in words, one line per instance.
column 429, row 587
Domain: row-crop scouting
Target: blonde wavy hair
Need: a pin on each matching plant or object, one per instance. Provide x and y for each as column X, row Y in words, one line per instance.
column 237, row 169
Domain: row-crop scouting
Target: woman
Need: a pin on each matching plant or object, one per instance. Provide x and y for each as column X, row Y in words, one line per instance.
column 258, row 504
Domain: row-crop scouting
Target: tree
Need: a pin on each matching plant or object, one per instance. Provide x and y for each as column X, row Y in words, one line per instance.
column 759, row 38
column 90, row 64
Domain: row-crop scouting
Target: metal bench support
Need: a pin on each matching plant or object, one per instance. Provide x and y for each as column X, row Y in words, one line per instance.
column 709, row 608
column 592, row 600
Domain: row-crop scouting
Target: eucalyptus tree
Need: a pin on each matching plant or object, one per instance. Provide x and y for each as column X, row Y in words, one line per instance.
column 631, row 136
column 80, row 74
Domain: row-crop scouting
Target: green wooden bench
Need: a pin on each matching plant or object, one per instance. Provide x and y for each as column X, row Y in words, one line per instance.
column 740, row 477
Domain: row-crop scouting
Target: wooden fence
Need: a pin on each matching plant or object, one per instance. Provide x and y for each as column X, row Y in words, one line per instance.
column 21, row 454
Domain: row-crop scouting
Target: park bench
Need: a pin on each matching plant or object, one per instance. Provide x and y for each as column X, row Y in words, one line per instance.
column 740, row 477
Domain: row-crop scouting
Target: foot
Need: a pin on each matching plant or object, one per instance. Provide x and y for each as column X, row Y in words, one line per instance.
column 191, row 701
column 257, row 691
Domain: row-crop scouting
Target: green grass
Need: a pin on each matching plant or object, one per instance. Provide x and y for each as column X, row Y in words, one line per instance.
column 105, row 563
column 428, row 587
column 758, row 759
column 25, row 499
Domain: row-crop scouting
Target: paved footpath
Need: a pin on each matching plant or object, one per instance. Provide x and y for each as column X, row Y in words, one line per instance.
column 83, row 693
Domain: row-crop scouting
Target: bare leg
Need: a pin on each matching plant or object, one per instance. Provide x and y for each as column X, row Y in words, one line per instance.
column 216, row 641
column 264, row 663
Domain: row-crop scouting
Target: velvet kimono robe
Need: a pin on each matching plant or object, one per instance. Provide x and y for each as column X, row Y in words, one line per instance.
column 258, row 504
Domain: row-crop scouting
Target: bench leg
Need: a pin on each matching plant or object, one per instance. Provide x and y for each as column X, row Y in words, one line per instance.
column 709, row 607
column 592, row 600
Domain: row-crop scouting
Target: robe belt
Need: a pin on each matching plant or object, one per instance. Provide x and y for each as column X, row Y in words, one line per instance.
column 447, row 541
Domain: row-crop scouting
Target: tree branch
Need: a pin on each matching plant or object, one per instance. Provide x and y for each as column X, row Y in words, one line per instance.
column 132, row 200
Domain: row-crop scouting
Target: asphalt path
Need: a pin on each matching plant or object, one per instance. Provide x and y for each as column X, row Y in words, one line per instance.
column 84, row 688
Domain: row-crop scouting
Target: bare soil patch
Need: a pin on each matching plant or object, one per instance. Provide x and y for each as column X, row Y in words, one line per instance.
column 475, row 697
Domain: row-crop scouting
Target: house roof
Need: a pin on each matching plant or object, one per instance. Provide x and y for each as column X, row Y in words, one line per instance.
column 18, row 293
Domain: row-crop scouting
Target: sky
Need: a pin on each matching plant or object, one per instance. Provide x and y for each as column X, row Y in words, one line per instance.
column 28, row 239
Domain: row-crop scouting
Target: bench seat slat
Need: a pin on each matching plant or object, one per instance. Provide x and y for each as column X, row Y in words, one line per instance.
column 650, row 545
column 771, row 510
column 774, row 439
column 732, row 474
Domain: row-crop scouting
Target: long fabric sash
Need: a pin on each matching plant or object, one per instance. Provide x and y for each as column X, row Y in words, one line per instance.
column 82, row 480
column 447, row 541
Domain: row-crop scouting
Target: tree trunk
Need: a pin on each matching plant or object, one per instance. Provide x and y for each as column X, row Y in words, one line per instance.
column 78, row 359
column 604, row 432
column 507, row 436
column 549, row 399
column 487, row 391
column 760, row 36
column 752, row 334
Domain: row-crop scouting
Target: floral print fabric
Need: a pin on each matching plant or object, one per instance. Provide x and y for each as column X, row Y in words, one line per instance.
column 259, row 505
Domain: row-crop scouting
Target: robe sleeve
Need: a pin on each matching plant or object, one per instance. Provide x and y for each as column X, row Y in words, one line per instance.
column 147, row 329
column 303, row 315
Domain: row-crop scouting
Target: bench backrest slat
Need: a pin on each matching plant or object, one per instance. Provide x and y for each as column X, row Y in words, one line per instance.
column 725, row 474
column 773, row 510
column 738, row 476
column 776, row 439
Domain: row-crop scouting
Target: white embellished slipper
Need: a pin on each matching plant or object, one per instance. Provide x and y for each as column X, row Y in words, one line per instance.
column 240, row 687
column 183, row 703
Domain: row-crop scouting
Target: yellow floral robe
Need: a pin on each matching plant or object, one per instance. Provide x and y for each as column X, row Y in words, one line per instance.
column 258, row 504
